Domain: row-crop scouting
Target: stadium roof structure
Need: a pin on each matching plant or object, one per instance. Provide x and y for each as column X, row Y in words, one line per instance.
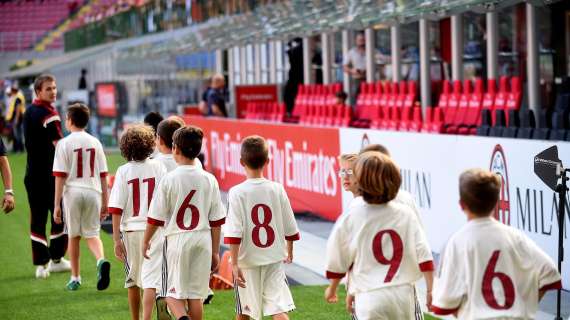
column 279, row 21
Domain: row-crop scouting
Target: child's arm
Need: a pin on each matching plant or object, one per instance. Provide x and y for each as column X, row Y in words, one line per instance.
column 8, row 201
column 236, row 271
column 59, row 183
column 216, row 233
column 104, row 198
column 119, row 248
column 339, row 258
column 148, row 233
column 428, row 276
column 289, row 258
column 330, row 292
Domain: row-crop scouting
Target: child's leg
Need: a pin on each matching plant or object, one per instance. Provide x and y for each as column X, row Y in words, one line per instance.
column 134, row 302
column 177, row 307
column 74, row 255
column 242, row 317
column 196, row 309
column 96, row 247
column 149, row 296
column 280, row 316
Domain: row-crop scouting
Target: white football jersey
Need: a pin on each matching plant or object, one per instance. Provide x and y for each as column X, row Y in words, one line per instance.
column 187, row 199
column 490, row 270
column 134, row 187
column 384, row 244
column 403, row 197
column 80, row 158
column 261, row 220
column 167, row 160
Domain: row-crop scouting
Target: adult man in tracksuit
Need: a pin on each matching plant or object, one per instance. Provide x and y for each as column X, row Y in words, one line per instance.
column 42, row 130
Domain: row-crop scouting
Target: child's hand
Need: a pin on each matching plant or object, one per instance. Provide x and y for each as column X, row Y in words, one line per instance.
column 350, row 303
column 104, row 212
column 57, row 215
column 119, row 251
column 8, row 203
column 215, row 262
column 238, row 276
column 289, row 259
column 428, row 300
column 330, row 295
column 146, row 247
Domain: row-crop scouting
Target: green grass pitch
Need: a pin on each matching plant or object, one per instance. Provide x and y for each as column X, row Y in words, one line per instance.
column 23, row 297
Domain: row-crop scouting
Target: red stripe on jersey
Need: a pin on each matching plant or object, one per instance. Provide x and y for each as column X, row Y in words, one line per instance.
column 335, row 275
column 217, row 223
column 155, row 222
column 117, row 211
column 427, row 266
column 294, row 237
column 553, row 286
column 103, row 174
column 443, row 311
column 38, row 235
column 59, row 174
column 232, row 240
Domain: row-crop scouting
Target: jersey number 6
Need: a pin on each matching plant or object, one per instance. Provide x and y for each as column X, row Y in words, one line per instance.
column 397, row 252
column 182, row 212
column 506, row 282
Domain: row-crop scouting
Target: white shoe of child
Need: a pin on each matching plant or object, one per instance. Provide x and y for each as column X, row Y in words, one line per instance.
column 42, row 272
column 62, row 266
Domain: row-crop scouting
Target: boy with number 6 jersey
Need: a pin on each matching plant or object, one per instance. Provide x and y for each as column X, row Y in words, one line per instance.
column 260, row 230
column 188, row 205
column 490, row 270
column 384, row 243
column 80, row 170
column 131, row 195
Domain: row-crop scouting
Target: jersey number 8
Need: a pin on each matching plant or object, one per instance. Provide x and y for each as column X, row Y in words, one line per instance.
column 255, row 233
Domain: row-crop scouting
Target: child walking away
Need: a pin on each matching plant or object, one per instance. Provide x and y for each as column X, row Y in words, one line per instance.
column 260, row 230
column 80, row 171
column 130, row 198
column 187, row 204
column 490, row 270
column 385, row 245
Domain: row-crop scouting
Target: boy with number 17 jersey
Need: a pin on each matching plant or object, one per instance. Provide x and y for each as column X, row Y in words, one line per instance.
column 260, row 230
column 188, row 205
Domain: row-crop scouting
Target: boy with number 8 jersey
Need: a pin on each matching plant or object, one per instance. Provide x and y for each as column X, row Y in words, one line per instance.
column 490, row 270
column 188, row 205
column 260, row 230
column 383, row 242
column 80, row 171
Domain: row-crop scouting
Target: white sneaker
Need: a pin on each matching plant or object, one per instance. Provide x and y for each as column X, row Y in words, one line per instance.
column 42, row 272
column 62, row 266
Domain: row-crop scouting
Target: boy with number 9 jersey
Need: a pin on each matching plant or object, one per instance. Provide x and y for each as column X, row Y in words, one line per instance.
column 260, row 230
column 383, row 242
column 188, row 205
column 490, row 270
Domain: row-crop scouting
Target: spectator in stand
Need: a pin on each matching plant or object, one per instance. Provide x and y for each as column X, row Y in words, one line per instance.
column 14, row 116
column 216, row 98
column 83, row 80
column 295, row 77
column 203, row 105
column 341, row 98
column 354, row 65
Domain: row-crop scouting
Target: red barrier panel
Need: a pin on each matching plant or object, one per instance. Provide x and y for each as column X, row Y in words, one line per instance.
column 303, row 159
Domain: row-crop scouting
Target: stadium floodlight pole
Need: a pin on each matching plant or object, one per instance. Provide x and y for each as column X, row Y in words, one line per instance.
column 548, row 167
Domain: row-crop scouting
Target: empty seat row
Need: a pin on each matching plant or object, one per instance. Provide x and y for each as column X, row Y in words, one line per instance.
column 315, row 95
column 374, row 97
column 337, row 115
column 268, row 111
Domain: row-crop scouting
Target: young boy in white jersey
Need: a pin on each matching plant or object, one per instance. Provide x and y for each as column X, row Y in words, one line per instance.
column 80, row 170
column 490, row 270
column 188, row 205
column 385, row 245
column 130, row 198
column 260, row 230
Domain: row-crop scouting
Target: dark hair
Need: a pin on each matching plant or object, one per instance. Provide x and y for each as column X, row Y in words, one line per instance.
column 479, row 191
column 78, row 113
column 38, row 83
column 254, row 152
column 137, row 143
column 341, row 95
column 153, row 119
column 378, row 177
column 188, row 140
column 166, row 129
column 377, row 148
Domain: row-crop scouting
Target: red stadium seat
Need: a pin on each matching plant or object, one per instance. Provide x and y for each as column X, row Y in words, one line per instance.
column 415, row 125
column 450, row 113
column 444, row 97
column 411, row 95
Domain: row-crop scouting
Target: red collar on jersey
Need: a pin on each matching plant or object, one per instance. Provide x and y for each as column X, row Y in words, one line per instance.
column 43, row 103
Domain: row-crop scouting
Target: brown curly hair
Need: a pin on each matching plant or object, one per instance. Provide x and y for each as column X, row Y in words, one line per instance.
column 137, row 143
column 378, row 177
